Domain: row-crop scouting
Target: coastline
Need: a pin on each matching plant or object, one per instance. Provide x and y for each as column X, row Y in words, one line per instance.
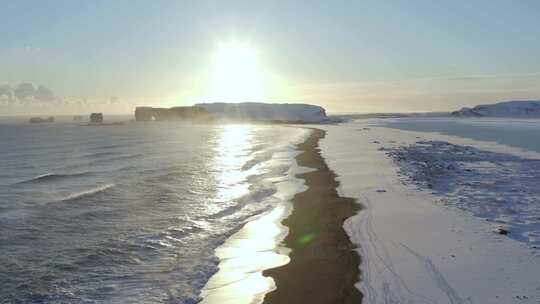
column 415, row 248
column 323, row 265
column 256, row 246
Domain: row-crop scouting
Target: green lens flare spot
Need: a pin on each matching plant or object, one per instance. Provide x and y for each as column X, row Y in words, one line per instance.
column 306, row 239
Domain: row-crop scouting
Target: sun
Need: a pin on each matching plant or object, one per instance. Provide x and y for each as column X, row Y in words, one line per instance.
column 237, row 73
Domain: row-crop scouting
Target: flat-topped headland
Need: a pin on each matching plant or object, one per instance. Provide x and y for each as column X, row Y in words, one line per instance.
column 236, row 112
column 174, row 113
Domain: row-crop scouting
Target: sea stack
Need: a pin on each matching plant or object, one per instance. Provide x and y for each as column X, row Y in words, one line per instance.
column 41, row 120
column 96, row 118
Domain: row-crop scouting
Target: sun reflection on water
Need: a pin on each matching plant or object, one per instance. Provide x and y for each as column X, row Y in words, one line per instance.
column 243, row 258
column 253, row 248
column 233, row 147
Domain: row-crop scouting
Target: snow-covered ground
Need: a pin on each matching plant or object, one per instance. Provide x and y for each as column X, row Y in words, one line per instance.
column 515, row 108
column 498, row 187
column 424, row 245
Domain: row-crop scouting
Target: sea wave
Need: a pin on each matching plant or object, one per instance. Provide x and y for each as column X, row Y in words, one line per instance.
column 87, row 193
column 259, row 158
column 102, row 161
column 101, row 154
column 90, row 161
column 171, row 205
column 257, row 193
column 52, row 177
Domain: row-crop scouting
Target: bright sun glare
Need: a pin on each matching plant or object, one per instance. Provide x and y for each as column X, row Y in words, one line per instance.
column 237, row 74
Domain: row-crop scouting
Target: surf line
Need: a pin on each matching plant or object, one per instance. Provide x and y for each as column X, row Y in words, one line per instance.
column 323, row 265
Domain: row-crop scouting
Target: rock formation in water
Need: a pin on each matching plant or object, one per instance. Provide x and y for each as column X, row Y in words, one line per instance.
column 41, row 120
column 175, row 113
column 96, row 118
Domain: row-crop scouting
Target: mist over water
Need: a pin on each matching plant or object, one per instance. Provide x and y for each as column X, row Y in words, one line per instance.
column 123, row 214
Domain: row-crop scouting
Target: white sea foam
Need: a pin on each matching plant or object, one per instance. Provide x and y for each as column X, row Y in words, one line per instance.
column 189, row 189
column 88, row 192
column 52, row 177
column 255, row 247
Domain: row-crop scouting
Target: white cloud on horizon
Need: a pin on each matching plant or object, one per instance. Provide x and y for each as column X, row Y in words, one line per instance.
column 27, row 98
column 27, row 93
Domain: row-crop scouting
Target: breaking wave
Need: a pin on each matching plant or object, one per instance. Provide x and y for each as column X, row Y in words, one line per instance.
column 87, row 193
column 52, row 177
column 117, row 211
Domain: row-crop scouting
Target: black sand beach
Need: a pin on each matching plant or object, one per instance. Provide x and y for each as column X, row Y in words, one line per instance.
column 323, row 266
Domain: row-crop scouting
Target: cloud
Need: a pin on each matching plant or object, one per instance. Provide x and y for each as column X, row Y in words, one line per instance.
column 27, row 98
column 6, row 94
column 32, row 49
column 27, row 93
column 494, row 76
column 44, row 94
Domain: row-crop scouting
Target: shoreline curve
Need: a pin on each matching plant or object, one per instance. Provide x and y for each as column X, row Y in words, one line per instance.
column 323, row 267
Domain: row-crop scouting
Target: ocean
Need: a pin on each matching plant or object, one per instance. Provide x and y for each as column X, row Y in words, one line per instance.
column 135, row 212
column 517, row 133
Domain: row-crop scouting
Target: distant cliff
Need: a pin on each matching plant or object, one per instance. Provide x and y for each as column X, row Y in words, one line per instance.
column 175, row 113
column 516, row 108
column 248, row 111
column 271, row 112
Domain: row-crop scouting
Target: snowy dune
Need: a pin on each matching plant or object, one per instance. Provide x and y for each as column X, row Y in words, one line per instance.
column 415, row 249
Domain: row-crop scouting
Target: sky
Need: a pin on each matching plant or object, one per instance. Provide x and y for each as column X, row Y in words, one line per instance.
column 347, row 56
